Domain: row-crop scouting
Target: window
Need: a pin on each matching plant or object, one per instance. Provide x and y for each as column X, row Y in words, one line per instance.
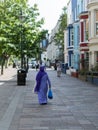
column 89, row 24
column 86, row 30
column 96, row 28
column 87, row 57
column 81, row 5
column 71, row 38
column 75, row 14
column 77, row 9
column 78, row 36
column 72, row 60
column 96, row 20
column 97, row 57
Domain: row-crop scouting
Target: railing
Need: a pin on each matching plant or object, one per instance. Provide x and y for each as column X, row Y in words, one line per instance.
column 92, row 1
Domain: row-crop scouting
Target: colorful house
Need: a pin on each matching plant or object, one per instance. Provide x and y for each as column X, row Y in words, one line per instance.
column 75, row 35
column 93, row 33
column 70, row 42
column 83, row 44
column 78, row 55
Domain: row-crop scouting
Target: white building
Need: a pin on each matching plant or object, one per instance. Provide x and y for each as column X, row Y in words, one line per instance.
column 93, row 32
column 52, row 49
column 65, row 46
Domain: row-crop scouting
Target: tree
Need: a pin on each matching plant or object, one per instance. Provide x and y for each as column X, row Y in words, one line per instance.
column 59, row 36
column 19, row 28
column 38, row 50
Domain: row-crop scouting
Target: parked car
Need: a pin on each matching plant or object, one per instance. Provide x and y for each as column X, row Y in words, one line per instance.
column 30, row 65
column 33, row 63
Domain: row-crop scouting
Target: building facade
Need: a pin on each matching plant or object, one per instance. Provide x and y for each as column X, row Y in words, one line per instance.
column 83, row 44
column 70, row 42
column 80, row 37
column 93, row 33
column 82, row 34
column 53, row 49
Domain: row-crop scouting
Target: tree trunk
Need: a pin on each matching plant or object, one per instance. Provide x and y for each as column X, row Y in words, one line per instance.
column 6, row 63
column 2, row 69
column 2, row 65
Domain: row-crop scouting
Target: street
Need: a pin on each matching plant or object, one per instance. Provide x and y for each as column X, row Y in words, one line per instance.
column 74, row 105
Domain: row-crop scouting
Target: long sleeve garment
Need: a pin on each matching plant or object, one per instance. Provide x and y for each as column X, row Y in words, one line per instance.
column 42, row 93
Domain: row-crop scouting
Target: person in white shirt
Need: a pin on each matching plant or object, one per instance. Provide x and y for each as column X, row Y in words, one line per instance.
column 58, row 69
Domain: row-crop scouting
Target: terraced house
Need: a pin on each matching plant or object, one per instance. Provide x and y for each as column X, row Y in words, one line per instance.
column 93, row 32
column 81, row 36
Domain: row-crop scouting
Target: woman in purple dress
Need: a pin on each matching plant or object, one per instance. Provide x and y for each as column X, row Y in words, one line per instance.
column 42, row 83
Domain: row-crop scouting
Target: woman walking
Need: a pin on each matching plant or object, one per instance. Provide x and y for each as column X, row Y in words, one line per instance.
column 42, row 84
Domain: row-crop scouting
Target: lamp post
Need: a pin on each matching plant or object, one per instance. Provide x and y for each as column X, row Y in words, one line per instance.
column 21, row 39
column 21, row 77
column 40, row 55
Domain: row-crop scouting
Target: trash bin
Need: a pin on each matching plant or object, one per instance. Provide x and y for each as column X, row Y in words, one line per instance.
column 64, row 67
column 21, row 77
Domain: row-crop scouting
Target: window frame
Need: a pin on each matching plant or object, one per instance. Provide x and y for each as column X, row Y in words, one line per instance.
column 96, row 23
column 72, row 37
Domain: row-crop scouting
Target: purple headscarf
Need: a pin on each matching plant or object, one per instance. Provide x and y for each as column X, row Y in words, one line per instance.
column 39, row 76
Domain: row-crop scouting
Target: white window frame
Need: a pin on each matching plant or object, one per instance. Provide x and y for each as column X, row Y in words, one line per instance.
column 86, row 31
column 71, row 38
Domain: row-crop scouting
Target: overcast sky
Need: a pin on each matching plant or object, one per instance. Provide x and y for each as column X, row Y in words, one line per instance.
column 50, row 10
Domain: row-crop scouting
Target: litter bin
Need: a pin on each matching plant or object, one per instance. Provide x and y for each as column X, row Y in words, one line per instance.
column 21, row 77
column 64, row 67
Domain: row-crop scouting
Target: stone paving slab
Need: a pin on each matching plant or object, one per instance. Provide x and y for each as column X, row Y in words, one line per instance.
column 74, row 106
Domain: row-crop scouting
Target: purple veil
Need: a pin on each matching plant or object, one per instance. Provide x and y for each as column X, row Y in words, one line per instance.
column 39, row 76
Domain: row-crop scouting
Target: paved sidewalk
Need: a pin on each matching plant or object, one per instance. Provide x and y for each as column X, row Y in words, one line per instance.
column 8, row 73
column 74, row 107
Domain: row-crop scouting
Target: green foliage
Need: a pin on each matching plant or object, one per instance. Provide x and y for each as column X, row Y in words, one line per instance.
column 95, row 68
column 83, row 72
column 19, row 24
column 59, row 36
column 19, row 28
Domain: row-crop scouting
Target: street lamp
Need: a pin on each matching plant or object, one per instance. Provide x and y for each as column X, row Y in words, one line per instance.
column 40, row 55
column 21, row 38
column 21, row 76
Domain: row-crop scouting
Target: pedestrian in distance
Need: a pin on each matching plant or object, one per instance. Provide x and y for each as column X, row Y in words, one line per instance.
column 43, row 83
column 37, row 66
column 58, row 69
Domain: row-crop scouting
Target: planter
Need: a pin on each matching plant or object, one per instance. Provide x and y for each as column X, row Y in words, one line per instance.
column 82, row 77
column 89, row 78
column 74, row 74
column 92, row 77
column 95, row 80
